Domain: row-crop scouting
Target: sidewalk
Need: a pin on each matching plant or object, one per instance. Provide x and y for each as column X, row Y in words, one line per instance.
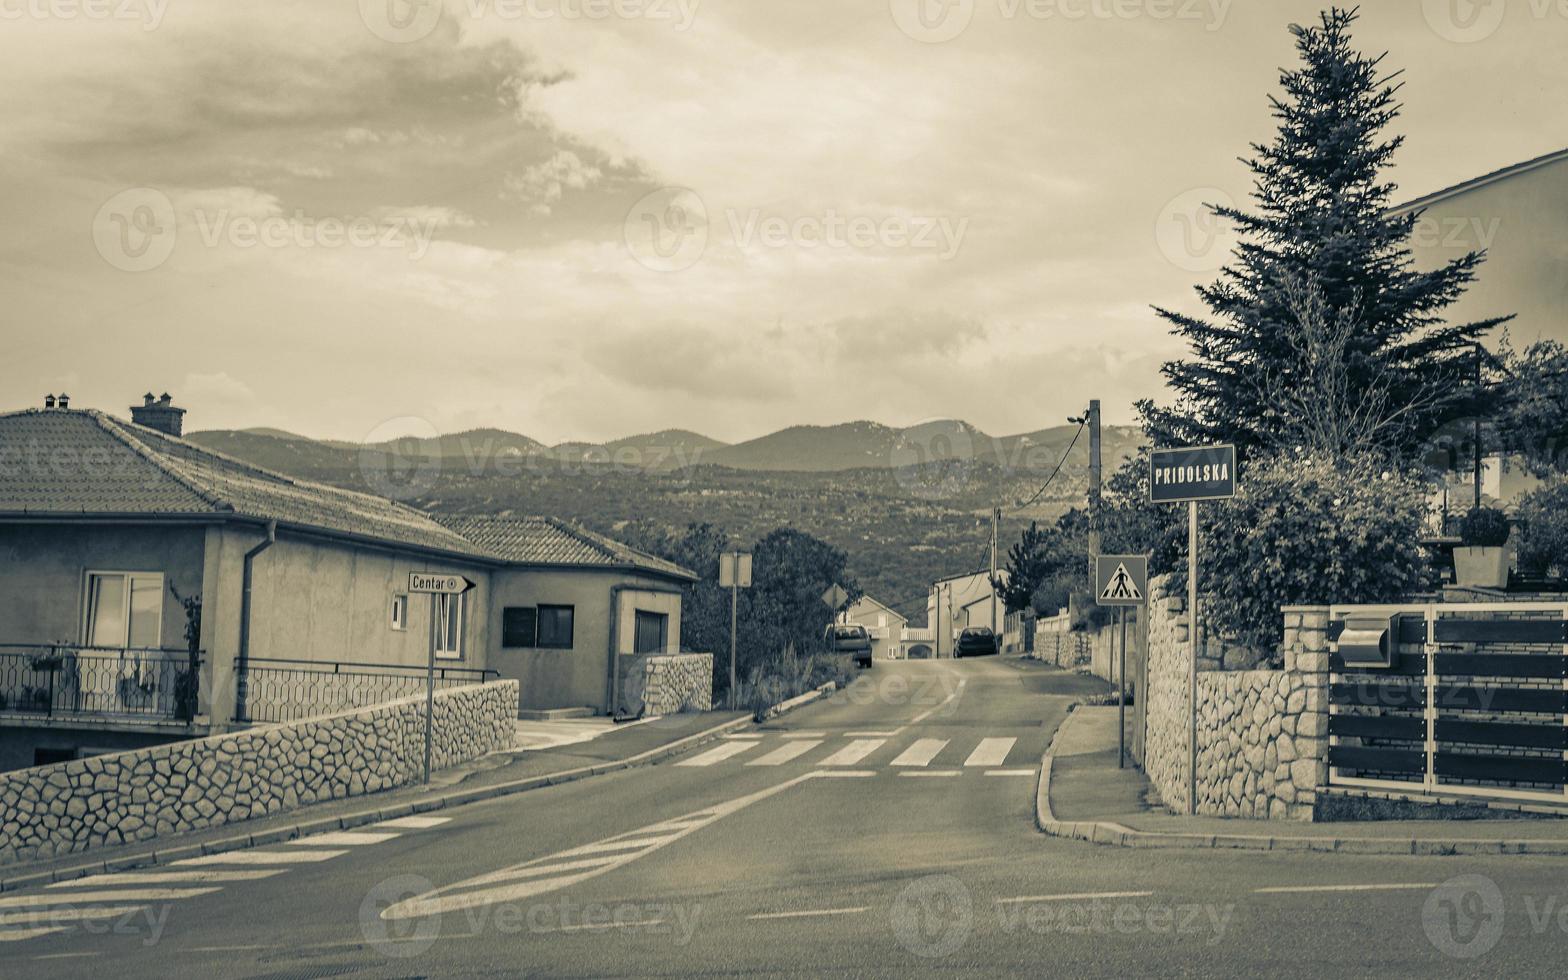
column 1084, row 796
column 498, row 774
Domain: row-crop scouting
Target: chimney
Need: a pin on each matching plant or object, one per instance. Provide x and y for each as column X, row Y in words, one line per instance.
column 49, row 401
column 160, row 414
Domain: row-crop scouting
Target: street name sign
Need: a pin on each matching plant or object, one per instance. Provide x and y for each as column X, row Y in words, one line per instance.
column 1192, row 473
column 1121, row 580
column 424, row 583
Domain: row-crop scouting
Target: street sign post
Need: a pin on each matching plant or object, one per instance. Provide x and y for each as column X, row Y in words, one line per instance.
column 1188, row 475
column 734, row 574
column 1121, row 581
column 834, row 598
column 435, row 586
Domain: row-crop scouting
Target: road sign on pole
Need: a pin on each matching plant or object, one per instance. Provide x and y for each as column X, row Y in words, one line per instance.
column 835, row 597
column 435, row 585
column 734, row 574
column 1121, row 580
column 1188, row 475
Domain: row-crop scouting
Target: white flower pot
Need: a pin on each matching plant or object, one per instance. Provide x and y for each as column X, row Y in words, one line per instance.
column 1486, row 567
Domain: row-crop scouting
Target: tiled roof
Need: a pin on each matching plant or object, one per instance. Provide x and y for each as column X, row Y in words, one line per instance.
column 74, row 462
column 546, row 541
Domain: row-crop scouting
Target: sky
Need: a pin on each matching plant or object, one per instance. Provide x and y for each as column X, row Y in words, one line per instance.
column 585, row 219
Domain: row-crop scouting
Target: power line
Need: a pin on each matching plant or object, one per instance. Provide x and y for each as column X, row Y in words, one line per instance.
column 1059, row 464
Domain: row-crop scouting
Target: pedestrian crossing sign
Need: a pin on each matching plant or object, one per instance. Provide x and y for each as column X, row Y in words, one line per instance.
column 1121, row 580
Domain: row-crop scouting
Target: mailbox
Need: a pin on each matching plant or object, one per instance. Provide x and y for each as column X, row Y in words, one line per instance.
column 1366, row 639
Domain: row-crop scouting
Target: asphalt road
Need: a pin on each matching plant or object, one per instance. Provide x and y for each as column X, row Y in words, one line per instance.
column 885, row 832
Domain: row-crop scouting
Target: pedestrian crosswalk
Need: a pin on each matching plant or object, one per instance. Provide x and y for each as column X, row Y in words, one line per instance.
column 875, row 749
column 127, row 895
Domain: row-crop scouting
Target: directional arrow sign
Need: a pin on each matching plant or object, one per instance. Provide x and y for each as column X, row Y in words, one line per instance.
column 1121, row 580
column 425, row 583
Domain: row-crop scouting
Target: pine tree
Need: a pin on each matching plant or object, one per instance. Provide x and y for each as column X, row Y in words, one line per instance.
column 1322, row 224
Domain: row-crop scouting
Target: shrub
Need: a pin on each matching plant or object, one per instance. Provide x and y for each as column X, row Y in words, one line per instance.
column 1543, row 530
column 1484, row 527
column 1314, row 530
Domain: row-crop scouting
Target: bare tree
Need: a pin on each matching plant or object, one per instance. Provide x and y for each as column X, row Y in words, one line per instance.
column 1320, row 401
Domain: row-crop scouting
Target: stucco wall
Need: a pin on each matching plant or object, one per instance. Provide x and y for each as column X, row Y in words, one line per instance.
column 139, row 795
column 43, row 574
column 1261, row 734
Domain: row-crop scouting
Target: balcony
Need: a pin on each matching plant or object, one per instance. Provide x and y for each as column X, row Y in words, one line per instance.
column 273, row 690
column 53, row 682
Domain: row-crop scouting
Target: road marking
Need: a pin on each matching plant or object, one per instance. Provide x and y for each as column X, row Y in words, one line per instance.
column 990, row 752
column 842, row 773
column 807, row 913
column 541, row 870
column 853, row 752
column 502, row 886
column 1075, row 897
column 226, row 949
column 794, row 748
column 888, row 734
column 921, row 753
column 123, row 895
column 415, row 822
column 262, row 857
column 343, row 838
column 66, row 956
column 932, row 772
column 719, row 754
column 617, row 845
column 598, row 926
column 1287, row 889
column 165, row 877
column 917, row 719
column 742, row 737
column 54, row 917
column 1010, row 772
column 804, row 734
column 17, row 935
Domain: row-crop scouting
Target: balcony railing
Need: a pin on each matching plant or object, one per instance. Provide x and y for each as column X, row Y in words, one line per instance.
column 272, row 690
column 108, row 683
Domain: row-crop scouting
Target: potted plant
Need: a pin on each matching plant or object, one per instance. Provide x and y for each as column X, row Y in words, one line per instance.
column 1482, row 559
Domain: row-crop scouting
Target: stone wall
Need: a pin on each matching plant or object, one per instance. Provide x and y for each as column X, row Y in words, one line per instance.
column 665, row 684
column 136, row 796
column 1261, row 734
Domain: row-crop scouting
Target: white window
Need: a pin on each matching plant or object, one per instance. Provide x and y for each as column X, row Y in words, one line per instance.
column 449, row 626
column 124, row 609
column 400, row 612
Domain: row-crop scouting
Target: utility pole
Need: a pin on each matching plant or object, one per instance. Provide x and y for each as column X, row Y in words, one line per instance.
column 996, row 519
column 1094, row 483
column 1477, row 431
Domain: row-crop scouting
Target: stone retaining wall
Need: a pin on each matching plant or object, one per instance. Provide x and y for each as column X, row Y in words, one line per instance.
column 666, row 684
column 167, row 789
column 1262, row 734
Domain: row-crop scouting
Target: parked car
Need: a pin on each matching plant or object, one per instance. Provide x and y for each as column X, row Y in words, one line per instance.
column 853, row 640
column 976, row 641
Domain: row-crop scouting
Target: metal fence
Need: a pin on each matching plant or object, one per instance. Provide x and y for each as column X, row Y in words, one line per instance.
column 273, row 690
column 1474, row 703
column 138, row 683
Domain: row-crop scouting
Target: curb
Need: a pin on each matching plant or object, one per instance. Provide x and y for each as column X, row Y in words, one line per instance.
column 1117, row 835
column 800, row 700
column 348, row 821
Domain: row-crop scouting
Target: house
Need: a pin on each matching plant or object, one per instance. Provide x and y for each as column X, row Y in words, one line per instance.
column 127, row 552
column 884, row 623
column 960, row 601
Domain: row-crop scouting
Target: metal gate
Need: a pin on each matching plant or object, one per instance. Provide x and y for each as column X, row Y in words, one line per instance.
column 1473, row 699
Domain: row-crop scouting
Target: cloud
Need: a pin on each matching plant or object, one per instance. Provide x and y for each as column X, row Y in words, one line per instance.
column 543, row 184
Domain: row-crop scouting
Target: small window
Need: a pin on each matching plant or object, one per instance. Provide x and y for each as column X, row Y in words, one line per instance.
column 519, row 627
column 653, row 632
column 449, row 626
column 555, row 627
column 400, row 612
column 124, row 609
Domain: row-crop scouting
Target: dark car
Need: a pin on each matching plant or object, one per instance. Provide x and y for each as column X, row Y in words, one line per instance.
column 853, row 640
column 976, row 641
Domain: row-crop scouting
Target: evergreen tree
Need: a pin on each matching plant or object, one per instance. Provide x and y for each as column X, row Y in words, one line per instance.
column 1030, row 563
column 1322, row 219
